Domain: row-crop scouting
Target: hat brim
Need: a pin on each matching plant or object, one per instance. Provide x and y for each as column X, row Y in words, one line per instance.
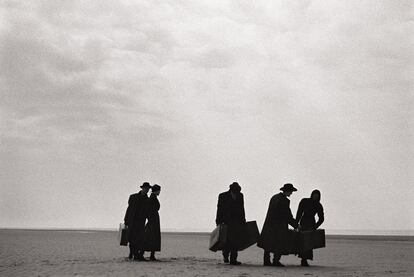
column 288, row 189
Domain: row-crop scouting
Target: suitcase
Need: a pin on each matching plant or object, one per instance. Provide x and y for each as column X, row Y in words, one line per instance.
column 313, row 239
column 292, row 242
column 218, row 238
column 123, row 235
column 250, row 235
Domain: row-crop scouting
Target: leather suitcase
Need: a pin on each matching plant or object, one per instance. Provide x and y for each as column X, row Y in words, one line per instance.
column 250, row 235
column 311, row 239
column 218, row 238
column 123, row 235
column 292, row 242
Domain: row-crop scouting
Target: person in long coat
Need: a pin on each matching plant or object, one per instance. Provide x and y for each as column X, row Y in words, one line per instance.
column 305, row 216
column 230, row 211
column 135, row 218
column 274, row 235
column 152, row 229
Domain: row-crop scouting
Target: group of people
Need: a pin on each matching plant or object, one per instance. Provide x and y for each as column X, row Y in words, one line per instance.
column 143, row 223
column 274, row 235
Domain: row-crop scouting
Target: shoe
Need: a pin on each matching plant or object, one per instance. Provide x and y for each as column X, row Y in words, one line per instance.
column 130, row 257
column 304, row 262
column 153, row 259
column 235, row 263
column 226, row 260
column 278, row 264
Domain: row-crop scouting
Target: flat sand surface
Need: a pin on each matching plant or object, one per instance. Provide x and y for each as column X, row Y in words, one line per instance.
column 96, row 253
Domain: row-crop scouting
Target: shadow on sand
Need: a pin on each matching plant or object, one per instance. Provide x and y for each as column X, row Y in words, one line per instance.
column 288, row 266
column 217, row 263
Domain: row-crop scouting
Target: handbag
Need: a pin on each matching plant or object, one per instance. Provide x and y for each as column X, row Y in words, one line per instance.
column 123, row 234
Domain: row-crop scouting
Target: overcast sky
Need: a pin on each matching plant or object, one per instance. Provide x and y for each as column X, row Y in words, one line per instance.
column 100, row 96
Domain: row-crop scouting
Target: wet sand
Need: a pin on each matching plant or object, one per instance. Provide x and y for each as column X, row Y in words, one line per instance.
column 96, row 253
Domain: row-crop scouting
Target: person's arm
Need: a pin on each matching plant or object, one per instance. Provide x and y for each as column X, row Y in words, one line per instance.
column 321, row 217
column 219, row 216
column 151, row 209
column 243, row 211
column 127, row 213
column 158, row 205
column 273, row 208
column 147, row 207
column 299, row 213
column 287, row 213
column 292, row 222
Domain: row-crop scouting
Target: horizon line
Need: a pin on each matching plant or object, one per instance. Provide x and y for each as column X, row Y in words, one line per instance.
column 334, row 232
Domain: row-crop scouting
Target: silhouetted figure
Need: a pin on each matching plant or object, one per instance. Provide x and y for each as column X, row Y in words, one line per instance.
column 274, row 236
column 230, row 211
column 305, row 216
column 135, row 218
column 152, row 229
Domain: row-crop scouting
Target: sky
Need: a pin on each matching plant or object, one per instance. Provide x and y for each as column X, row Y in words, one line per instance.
column 99, row 96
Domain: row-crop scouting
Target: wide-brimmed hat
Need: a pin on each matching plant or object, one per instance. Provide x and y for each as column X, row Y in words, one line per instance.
column 156, row 187
column 145, row 185
column 235, row 187
column 288, row 187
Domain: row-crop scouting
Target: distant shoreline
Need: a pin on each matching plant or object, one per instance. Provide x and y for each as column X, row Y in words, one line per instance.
column 180, row 233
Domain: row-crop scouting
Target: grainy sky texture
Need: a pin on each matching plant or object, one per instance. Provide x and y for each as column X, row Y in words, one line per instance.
column 99, row 96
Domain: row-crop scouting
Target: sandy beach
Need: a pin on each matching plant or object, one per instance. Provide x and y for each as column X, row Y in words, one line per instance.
column 96, row 253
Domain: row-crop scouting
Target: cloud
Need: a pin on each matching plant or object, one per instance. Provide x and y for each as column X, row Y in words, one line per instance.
column 58, row 77
column 266, row 90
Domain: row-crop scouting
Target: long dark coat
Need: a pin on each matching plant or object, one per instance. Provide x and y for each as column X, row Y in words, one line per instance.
column 305, row 216
column 152, row 229
column 231, row 212
column 274, row 236
column 135, row 218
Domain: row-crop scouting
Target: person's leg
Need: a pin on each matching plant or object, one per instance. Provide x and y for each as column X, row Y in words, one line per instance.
column 226, row 253
column 266, row 258
column 140, row 241
column 304, row 262
column 276, row 259
column 131, row 251
column 136, row 253
column 152, row 257
column 305, row 256
column 233, row 257
column 139, row 256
